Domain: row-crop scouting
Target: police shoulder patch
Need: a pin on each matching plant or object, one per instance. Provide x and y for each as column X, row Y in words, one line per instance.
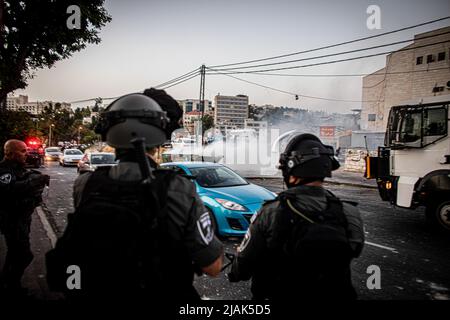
column 245, row 241
column 205, row 228
column 5, row 178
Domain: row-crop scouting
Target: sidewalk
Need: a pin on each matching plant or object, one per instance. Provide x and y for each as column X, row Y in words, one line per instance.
column 34, row 278
column 340, row 176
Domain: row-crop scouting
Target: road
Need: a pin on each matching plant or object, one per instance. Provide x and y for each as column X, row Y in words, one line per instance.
column 413, row 259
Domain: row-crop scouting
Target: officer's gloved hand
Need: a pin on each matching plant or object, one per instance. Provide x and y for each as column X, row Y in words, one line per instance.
column 38, row 181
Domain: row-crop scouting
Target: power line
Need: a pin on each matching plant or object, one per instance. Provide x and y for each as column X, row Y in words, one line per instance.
column 333, row 45
column 178, row 78
column 340, row 60
column 181, row 81
column 334, row 54
column 182, row 77
column 332, row 75
column 292, row 93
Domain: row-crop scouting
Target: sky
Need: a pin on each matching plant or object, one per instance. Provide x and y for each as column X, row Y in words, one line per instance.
column 150, row 42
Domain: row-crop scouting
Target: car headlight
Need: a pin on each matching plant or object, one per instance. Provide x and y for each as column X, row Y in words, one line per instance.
column 227, row 204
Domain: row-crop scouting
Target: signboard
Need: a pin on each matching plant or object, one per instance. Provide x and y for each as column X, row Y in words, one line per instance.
column 327, row 131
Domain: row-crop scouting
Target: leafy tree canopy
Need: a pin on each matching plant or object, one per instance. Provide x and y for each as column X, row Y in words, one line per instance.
column 35, row 34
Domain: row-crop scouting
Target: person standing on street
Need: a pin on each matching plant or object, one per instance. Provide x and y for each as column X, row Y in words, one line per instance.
column 173, row 237
column 20, row 193
column 300, row 245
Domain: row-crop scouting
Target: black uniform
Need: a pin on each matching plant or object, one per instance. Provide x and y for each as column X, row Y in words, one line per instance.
column 188, row 240
column 20, row 194
column 262, row 254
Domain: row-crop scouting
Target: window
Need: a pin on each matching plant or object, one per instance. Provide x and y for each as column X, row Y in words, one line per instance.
column 411, row 127
column 441, row 56
column 419, row 60
column 434, row 122
column 372, row 117
column 430, row 58
column 416, row 126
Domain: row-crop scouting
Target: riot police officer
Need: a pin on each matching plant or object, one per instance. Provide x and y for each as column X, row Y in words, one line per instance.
column 300, row 245
column 186, row 241
column 20, row 193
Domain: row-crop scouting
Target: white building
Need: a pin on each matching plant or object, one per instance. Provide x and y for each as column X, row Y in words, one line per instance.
column 189, row 105
column 21, row 103
column 253, row 124
column 230, row 112
column 420, row 72
column 189, row 119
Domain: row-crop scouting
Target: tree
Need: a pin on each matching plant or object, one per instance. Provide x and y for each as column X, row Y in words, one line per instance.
column 15, row 125
column 207, row 122
column 37, row 34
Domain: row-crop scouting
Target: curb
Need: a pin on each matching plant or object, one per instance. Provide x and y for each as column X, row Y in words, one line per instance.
column 46, row 225
column 351, row 184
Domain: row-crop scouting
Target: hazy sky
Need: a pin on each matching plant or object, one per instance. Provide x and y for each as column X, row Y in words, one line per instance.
column 150, row 42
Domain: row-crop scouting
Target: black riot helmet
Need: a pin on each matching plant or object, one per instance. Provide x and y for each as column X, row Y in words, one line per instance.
column 132, row 116
column 307, row 157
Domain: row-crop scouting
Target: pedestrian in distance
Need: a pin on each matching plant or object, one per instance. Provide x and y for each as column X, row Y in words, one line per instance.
column 300, row 245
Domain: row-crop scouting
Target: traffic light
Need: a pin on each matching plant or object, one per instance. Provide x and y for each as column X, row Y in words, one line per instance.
column 296, row 97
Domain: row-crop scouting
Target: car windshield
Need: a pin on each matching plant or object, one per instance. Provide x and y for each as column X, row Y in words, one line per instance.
column 215, row 177
column 102, row 159
column 52, row 150
column 73, row 152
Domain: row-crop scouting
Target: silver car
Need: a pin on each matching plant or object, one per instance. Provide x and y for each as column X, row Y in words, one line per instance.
column 70, row 157
column 93, row 160
column 52, row 153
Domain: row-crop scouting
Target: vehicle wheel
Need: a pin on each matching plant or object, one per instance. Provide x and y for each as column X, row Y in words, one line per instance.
column 438, row 214
column 213, row 222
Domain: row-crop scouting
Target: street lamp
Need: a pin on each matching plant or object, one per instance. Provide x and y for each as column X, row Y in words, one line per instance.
column 50, row 135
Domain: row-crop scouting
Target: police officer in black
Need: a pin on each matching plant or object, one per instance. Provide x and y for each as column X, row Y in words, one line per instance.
column 185, row 234
column 300, row 245
column 20, row 193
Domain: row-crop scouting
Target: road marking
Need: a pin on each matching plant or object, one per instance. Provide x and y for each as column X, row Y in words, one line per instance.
column 382, row 247
column 47, row 227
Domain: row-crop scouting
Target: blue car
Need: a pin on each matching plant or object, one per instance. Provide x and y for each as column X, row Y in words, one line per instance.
column 229, row 198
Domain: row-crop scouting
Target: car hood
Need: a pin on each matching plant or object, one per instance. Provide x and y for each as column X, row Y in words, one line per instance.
column 73, row 157
column 246, row 194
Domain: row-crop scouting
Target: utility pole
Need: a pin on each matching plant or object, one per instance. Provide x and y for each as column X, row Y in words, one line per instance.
column 202, row 96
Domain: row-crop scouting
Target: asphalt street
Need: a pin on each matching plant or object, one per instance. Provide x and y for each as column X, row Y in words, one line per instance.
column 412, row 257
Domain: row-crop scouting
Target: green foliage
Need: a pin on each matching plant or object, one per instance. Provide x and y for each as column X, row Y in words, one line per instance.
column 34, row 35
column 15, row 125
column 207, row 122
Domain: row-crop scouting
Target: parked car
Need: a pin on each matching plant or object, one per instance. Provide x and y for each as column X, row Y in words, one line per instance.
column 70, row 157
column 52, row 153
column 229, row 198
column 35, row 152
column 93, row 160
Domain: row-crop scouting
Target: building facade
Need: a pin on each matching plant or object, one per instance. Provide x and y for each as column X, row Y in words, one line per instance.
column 256, row 125
column 21, row 103
column 422, row 71
column 230, row 112
column 189, row 119
column 189, row 105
